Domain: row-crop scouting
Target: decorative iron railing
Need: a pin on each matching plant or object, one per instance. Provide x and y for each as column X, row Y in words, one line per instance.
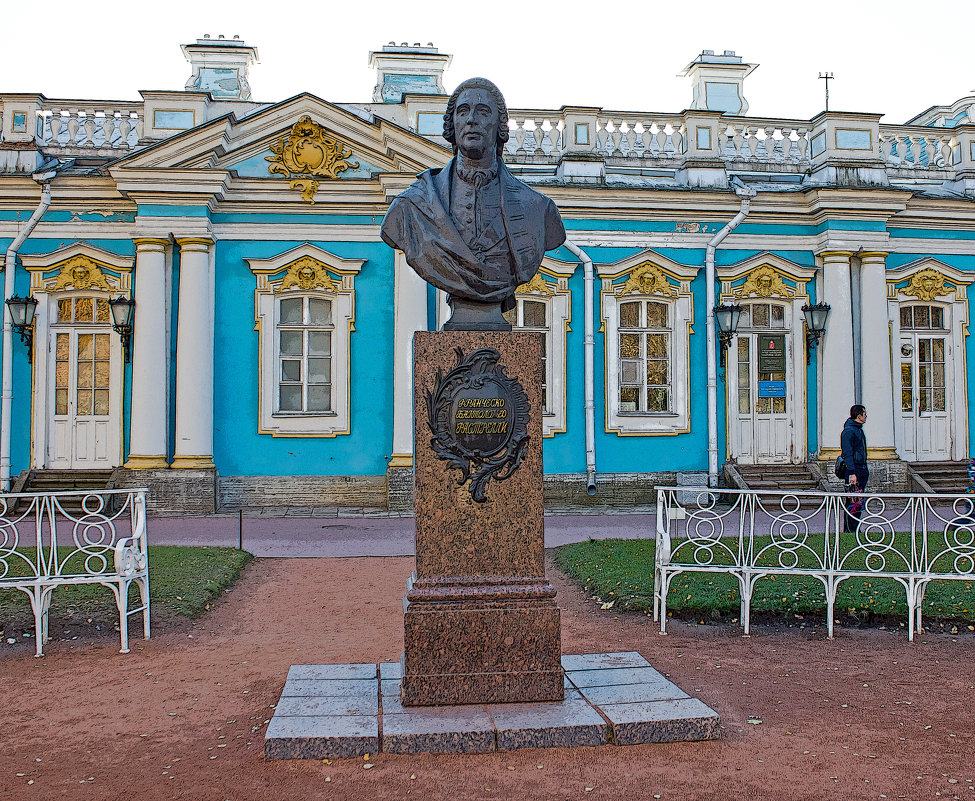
column 51, row 540
column 751, row 534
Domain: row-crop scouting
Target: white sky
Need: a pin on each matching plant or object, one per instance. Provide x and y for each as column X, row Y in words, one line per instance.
column 896, row 58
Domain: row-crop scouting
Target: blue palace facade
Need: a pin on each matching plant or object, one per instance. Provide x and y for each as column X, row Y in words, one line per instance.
column 266, row 359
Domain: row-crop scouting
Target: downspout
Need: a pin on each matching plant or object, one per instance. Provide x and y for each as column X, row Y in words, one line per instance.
column 746, row 194
column 589, row 345
column 9, row 278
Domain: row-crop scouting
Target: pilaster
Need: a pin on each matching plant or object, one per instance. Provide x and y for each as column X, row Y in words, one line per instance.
column 875, row 349
column 194, row 356
column 148, row 431
column 836, row 371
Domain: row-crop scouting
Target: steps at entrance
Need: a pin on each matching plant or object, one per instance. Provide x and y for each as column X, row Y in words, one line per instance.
column 67, row 481
column 779, row 477
column 946, row 477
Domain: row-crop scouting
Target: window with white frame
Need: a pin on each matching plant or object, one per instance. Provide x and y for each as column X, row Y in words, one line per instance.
column 644, row 357
column 647, row 338
column 533, row 313
column 305, row 302
column 304, row 334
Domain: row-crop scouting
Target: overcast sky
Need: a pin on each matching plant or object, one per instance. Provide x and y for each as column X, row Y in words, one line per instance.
column 896, row 58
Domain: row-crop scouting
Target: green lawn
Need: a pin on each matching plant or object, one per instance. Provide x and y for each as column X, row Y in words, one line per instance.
column 621, row 571
column 183, row 582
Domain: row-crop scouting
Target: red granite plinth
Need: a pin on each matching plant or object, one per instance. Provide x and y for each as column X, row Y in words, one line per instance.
column 481, row 622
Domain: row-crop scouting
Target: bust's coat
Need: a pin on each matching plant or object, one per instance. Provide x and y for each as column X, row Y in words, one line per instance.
column 418, row 223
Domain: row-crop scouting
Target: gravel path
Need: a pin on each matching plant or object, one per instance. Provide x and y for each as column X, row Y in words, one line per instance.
column 865, row 716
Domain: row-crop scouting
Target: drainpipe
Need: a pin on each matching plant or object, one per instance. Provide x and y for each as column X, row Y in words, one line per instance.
column 10, row 266
column 590, row 380
column 746, row 194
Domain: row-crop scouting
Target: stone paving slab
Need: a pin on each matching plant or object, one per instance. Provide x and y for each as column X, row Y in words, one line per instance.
column 330, row 711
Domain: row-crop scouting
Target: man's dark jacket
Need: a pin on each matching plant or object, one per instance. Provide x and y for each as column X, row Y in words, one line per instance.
column 853, row 443
column 418, row 223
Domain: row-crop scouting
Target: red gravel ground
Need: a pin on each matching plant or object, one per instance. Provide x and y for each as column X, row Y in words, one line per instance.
column 864, row 716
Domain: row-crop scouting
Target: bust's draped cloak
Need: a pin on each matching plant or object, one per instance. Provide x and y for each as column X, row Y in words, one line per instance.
column 418, row 222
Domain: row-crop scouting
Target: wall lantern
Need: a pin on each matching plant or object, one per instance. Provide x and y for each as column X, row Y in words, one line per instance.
column 726, row 318
column 22, row 318
column 815, row 325
column 123, row 310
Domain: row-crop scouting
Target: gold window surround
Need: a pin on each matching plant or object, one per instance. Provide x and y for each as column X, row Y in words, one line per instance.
column 651, row 276
column 551, row 286
column 306, row 270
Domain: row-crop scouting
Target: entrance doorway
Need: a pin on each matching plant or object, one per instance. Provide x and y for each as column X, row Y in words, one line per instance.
column 84, row 386
column 761, row 392
column 925, row 384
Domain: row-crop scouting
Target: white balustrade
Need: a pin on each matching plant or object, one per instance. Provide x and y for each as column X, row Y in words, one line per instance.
column 109, row 128
column 916, row 148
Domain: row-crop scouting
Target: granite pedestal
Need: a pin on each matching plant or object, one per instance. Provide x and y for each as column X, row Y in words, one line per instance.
column 481, row 624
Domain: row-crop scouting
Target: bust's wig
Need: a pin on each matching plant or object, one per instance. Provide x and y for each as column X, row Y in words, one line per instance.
column 477, row 83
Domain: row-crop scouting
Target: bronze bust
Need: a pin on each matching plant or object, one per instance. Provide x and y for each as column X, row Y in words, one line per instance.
column 471, row 228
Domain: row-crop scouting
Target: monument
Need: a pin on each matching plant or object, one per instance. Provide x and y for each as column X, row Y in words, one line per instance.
column 481, row 624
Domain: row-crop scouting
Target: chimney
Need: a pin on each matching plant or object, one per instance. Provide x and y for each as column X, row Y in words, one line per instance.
column 407, row 69
column 220, row 67
column 717, row 82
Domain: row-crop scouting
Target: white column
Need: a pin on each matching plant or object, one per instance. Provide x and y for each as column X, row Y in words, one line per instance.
column 875, row 347
column 194, row 357
column 149, row 424
column 410, row 316
column 836, row 387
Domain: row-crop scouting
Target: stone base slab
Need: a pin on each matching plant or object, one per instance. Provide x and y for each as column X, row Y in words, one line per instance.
column 331, row 711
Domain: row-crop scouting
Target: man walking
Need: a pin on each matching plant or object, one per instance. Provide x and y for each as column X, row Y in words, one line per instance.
column 853, row 444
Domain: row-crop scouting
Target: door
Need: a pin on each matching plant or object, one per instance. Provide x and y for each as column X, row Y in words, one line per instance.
column 925, row 401
column 85, row 387
column 760, row 383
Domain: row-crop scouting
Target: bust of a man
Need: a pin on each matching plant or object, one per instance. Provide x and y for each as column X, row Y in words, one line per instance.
column 471, row 228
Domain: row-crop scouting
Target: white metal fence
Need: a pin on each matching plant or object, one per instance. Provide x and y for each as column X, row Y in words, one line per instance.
column 51, row 540
column 752, row 534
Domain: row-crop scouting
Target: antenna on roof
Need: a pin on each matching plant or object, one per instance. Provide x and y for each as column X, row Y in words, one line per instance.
column 826, row 76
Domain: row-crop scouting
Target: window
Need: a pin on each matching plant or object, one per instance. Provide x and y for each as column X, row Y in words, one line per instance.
column 644, row 357
column 647, row 315
column 922, row 317
column 304, row 355
column 305, row 302
column 531, row 314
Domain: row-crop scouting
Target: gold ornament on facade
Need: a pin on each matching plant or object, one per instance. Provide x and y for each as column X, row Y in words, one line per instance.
column 80, row 272
column 536, row 286
column 764, row 282
column 927, row 284
column 307, row 273
column 647, row 279
column 307, row 154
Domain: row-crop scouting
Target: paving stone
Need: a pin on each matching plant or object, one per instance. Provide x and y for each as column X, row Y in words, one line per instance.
column 659, row 690
column 321, row 737
column 360, row 671
column 294, row 706
column 623, row 659
column 390, row 670
column 603, row 678
column 555, row 724
column 327, row 687
column 671, row 721
column 450, row 729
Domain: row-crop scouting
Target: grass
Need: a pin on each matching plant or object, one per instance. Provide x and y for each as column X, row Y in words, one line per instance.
column 183, row 582
column 621, row 572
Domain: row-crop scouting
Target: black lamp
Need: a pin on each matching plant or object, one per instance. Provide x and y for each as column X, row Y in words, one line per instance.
column 815, row 324
column 22, row 318
column 123, row 310
column 726, row 318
